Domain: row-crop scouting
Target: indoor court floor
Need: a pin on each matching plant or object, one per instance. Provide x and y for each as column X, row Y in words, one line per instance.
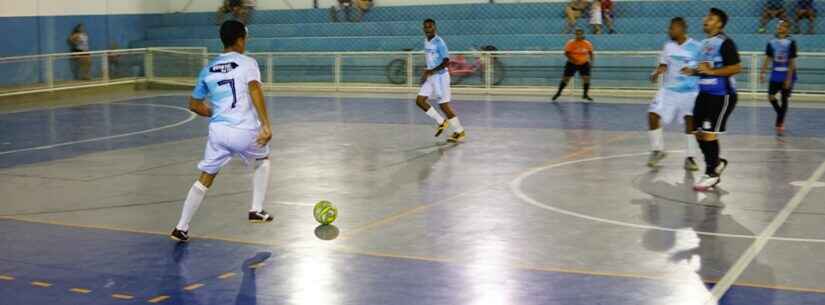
column 545, row 203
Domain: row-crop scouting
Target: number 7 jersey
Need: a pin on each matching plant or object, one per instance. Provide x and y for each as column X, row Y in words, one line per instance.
column 225, row 83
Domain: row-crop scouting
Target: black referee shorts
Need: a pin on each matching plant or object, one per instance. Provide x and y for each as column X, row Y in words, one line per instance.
column 570, row 69
column 712, row 111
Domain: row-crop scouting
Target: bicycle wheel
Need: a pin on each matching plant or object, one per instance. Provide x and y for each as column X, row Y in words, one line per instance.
column 396, row 71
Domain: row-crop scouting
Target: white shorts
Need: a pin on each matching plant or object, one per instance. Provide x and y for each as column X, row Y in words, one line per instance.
column 596, row 18
column 671, row 105
column 437, row 87
column 226, row 142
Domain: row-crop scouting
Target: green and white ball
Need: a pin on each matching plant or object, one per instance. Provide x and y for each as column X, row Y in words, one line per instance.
column 325, row 212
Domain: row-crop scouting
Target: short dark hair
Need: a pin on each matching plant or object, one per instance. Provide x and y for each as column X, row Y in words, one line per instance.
column 231, row 31
column 429, row 20
column 679, row 21
column 721, row 14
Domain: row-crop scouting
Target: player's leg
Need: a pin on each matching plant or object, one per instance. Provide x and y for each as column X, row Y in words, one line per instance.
column 427, row 90
column 584, row 71
column 712, row 112
column 190, row 206
column 692, row 145
column 773, row 89
column 216, row 155
column 608, row 21
column 785, row 95
column 444, row 92
column 657, row 140
column 569, row 72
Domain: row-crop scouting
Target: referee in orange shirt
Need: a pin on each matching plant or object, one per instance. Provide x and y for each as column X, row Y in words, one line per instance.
column 579, row 52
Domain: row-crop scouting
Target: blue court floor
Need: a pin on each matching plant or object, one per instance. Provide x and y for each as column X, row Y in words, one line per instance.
column 545, row 203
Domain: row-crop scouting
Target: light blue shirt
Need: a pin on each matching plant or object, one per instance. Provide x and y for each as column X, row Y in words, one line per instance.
column 436, row 52
column 225, row 83
column 677, row 57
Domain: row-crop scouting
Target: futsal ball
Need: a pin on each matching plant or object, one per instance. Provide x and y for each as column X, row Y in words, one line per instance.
column 325, row 212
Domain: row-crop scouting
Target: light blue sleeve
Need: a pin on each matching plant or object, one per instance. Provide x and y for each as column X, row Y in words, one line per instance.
column 201, row 89
column 442, row 51
column 696, row 52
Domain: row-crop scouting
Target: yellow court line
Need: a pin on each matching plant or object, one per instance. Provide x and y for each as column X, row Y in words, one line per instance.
column 41, row 284
column 121, row 296
column 226, row 275
column 158, row 299
column 193, row 286
column 657, row 277
column 80, row 290
column 6, row 277
column 257, row 265
column 71, row 225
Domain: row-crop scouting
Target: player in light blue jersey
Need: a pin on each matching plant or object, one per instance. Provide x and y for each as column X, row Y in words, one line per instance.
column 435, row 84
column 238, row 124
column 677, row 95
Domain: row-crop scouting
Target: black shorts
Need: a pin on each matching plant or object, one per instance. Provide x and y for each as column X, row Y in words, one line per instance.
column 776, row 87
column 712, row 111
column 570, row 69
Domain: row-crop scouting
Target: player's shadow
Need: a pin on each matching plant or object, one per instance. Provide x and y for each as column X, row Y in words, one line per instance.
column 248, row 293
column 577, row 131
column 694, row 215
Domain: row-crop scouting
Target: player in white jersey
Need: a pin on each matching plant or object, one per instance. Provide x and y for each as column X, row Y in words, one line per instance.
column 677, row 95
column 238, row 124
column 435, row 84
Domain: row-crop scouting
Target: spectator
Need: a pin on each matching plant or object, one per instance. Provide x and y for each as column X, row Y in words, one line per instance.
column 114, row 61
column 343, row 5
column 241, row 10
column 81, row 63
column 596, row 16
column 573, row 12
column 363, row 7
column 607, row 14
column 773, row 9
column 805, row 9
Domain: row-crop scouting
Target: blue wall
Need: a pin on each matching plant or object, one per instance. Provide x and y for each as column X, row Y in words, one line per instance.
column 48, row 34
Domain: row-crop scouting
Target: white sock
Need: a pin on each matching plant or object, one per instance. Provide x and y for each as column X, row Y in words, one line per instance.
column 657, row 141
column 692, row 145
column 260, row 183
column 455, row 124
column 191, row 205
column 435, row 115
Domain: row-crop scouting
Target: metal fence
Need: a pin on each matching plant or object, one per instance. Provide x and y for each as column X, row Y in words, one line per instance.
column 618, row 73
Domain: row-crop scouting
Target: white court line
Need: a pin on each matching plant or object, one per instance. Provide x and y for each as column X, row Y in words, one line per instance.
column 739, row 267
column 515, row 188
column 191, row 117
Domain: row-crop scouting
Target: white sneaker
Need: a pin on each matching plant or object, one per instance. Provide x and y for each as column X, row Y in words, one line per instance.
column 706, row 183
column 690, row 165
column 655, row 157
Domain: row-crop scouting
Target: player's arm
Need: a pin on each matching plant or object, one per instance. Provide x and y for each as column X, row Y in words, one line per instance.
column 791, row 66
column 196, row 100
column 199, row 107
column 658, row 71
column 767, row 63
column 257, row 95
column 731, row 65
column 592, row 58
